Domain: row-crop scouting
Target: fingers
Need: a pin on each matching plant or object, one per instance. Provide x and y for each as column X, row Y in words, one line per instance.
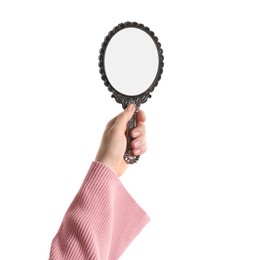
column 125, row 116
column 139, row 133
column 140, row 126
column 140, row 150
column 139, row 145
column 140, row 117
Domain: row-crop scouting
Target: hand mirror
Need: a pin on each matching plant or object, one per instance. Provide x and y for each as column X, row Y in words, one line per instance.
column 131, row 64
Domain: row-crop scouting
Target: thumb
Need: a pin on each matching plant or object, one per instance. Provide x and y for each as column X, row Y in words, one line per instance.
column 125, row 116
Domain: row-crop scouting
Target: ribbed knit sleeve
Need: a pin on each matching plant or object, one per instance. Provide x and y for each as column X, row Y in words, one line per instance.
column 102, row 220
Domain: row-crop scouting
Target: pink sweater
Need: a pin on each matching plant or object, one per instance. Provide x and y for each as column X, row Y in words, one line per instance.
column 101, row 222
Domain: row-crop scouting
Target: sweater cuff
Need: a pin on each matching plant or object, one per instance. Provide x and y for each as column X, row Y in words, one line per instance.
column 128, row 217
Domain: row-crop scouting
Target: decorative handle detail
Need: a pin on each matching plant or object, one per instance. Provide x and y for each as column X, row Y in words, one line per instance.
column 128, row 156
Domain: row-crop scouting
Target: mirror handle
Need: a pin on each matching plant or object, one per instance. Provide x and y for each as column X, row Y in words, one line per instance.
column 128, row 156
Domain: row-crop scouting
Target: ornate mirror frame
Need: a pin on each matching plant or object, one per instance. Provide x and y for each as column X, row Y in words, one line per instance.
column 119, row 97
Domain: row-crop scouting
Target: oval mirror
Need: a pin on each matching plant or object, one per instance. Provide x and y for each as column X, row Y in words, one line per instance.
column 131, row 64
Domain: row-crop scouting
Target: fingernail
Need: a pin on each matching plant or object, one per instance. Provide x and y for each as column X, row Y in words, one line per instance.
column 136, row 133
column 137, row 151
column 137, row 143
column 130, row 107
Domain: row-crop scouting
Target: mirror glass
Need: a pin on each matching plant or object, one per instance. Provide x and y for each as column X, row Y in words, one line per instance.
column 131, row 61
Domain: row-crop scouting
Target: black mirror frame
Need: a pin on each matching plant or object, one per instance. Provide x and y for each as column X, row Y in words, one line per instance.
column 119, row 97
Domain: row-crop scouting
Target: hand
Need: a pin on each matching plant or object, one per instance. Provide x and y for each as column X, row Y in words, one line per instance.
column 113, row 143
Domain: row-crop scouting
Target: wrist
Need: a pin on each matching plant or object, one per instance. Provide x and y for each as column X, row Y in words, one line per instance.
column 107, row 163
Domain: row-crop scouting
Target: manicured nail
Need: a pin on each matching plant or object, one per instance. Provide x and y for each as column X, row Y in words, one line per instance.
column 137, row 143
column 137, row 151
column 136, row 133
column 130, row 107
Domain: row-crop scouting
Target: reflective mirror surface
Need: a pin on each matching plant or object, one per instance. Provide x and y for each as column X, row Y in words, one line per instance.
column 131, row 61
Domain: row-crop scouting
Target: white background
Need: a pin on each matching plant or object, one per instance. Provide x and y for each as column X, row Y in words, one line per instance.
column 199, row 180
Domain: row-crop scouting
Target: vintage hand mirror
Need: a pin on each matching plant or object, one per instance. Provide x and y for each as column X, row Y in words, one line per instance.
column 131, row 64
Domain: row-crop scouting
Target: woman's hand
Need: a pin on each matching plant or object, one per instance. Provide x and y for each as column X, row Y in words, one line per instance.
column 113, row 143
